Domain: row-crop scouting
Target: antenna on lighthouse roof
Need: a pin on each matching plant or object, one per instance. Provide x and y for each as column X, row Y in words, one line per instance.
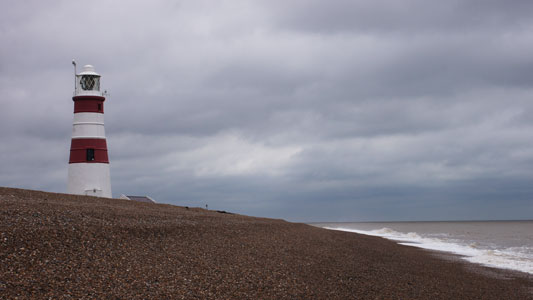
column 74, row 63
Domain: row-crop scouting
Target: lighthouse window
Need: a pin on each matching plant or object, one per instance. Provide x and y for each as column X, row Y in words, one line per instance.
column 90, row 154
column 90, row 82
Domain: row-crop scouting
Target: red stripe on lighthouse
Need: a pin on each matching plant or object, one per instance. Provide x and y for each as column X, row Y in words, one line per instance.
column 88, row 104
column 88, row 151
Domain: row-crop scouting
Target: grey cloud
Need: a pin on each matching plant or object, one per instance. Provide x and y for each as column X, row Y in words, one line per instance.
column 410, row 17
column 306, row 110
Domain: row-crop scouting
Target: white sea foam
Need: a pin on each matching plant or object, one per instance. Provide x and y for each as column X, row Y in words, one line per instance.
column 514, row 258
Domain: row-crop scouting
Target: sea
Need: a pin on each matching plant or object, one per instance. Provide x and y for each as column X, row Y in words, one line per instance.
column 498, row 244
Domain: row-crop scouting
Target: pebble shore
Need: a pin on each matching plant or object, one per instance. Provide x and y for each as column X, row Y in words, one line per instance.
column 58, row 246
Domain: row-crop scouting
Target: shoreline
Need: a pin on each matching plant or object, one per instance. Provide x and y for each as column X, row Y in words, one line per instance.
column 491, row 252
column 60, row 246
column 489, row 271
column 485, row 270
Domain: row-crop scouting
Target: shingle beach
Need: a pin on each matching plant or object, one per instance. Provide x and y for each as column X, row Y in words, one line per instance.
column 58, row 246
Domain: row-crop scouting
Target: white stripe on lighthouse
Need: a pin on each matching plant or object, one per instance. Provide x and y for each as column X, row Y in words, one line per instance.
column 89, row 179
column 88, row 125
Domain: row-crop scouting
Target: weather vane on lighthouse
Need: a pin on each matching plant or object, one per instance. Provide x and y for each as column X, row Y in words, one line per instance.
column 88, row 171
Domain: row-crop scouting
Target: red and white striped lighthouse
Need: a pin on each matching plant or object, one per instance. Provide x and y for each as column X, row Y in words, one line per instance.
column 88, row 170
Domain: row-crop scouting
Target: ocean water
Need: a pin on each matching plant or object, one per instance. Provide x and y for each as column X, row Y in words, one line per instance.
column 500, row 244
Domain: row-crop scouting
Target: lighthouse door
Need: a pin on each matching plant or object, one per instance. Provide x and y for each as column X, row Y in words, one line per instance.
column 94, row 192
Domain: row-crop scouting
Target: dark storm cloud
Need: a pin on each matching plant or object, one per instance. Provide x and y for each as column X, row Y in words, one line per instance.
column 306, row 110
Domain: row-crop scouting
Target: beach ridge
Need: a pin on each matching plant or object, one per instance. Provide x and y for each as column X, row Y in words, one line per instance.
column 67, row 246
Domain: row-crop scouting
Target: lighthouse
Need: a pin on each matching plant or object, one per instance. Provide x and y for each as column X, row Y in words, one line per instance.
column 88, row 169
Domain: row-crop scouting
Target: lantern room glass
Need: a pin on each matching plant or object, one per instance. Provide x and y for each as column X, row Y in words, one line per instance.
column 90, row 82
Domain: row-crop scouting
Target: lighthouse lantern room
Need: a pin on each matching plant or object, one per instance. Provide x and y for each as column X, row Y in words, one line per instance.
column 88, row 171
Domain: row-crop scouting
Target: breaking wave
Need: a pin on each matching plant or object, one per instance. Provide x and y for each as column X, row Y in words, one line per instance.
column 513, row 258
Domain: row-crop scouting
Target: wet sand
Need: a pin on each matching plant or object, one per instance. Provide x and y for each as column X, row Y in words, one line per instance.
column 73, row 247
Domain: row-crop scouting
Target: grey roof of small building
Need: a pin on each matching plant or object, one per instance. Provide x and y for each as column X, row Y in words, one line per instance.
column 141, row 199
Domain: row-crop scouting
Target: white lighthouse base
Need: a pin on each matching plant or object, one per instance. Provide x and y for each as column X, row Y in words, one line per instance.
column 91, row 179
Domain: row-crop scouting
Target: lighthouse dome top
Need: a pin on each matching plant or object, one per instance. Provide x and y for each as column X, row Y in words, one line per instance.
column 88, row 70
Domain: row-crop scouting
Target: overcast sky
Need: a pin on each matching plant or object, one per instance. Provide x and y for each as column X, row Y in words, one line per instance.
column 302, row 110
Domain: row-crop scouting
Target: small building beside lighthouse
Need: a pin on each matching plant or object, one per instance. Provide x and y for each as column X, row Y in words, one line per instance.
column 88, row 169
